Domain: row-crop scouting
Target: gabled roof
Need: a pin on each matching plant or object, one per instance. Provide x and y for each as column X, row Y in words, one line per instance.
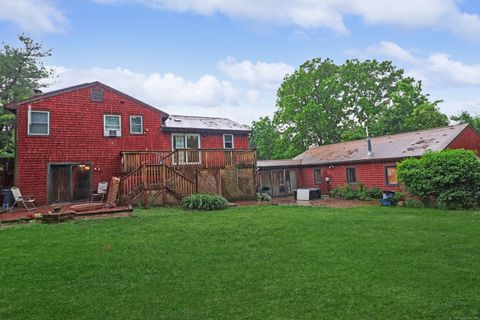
column 180, row 123
column 397, row 146
column 38, row 97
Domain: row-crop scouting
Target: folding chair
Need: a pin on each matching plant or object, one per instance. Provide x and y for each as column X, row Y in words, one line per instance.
column 101, row 191
column 28, row 202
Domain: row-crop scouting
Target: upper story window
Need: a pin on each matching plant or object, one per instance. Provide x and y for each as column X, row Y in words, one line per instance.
column 136, row 124
column 317, row 174
column 391, row 176
column 228, row 141
column 112, row 125
column 351, row 175
column 38, row 123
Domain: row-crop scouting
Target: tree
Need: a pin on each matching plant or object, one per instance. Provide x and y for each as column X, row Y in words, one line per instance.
column 322, row 103
column 21, row 71
column 262, row 138
column 465, row 117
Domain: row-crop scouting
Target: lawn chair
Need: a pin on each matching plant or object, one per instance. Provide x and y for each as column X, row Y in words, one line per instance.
column 28, row 202
column 101, row 191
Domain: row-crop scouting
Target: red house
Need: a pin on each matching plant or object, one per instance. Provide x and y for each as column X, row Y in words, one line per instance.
column 330, row 166
column 69, row 140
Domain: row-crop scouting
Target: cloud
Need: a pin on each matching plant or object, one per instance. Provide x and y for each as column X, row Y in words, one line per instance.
column 436, row 69
column 207, row 95
column 392, row 50
column 260, row 73
column 33, row 15
column 330, row 14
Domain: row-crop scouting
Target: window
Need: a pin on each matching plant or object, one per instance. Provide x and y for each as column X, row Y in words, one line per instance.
column 228, row 141
column 112, row 125
column 136, row 124
column 391, row 175
column 317, row 174
column 38, row 123
column 351, row 175
column 184, row 142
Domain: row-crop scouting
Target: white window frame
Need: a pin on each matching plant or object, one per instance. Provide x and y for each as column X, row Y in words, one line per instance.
column 30, row 122
column 105, row 124
column 185, row 135
column 141, row 124
column 233, row 144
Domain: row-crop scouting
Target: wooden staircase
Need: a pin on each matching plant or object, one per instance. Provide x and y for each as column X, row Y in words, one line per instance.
column 149, row 181
column 151, row 174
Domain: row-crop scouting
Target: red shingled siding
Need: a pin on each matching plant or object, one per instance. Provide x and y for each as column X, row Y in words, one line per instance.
column 368, row 174
column 468, row 139
column 215, row 141
column 76, row 136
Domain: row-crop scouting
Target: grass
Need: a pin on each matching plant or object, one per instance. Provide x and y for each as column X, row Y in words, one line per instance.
column 270, row 262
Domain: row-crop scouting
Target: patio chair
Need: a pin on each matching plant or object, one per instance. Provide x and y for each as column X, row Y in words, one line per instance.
column 101, row 191
column 28, row 201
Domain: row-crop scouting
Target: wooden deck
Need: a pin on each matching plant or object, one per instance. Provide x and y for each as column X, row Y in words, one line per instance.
column 190, row 159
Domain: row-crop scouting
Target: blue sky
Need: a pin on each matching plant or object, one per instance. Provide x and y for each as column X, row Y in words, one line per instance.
column 227, row 58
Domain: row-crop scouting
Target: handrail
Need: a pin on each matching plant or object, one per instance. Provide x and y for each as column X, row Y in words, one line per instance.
column 180, row 174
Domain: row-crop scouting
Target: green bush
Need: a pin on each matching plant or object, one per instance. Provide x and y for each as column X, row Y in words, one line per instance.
column 447, row 179
column 204, row 202
column 356, row 192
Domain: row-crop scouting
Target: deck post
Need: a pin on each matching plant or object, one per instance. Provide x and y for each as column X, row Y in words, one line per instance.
column 144, row 182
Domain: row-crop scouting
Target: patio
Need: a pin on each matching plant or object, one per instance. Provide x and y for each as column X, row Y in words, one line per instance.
column 22, row 214
column 328, row 202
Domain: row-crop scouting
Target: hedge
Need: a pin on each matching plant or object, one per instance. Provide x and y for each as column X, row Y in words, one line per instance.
column 447, row 179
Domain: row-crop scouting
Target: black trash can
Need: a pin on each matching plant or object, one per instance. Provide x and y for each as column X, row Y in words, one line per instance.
column 7, row 198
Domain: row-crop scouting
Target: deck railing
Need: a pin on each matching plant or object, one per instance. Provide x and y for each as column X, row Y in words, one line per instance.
column 190, row 158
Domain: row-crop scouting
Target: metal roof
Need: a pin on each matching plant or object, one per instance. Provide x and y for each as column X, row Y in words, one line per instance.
column 278, row 163
column 397, row 146
column 203, row 123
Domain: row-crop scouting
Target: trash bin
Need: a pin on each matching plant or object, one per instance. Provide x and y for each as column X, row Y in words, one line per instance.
column 7, row 198
column 388, row 198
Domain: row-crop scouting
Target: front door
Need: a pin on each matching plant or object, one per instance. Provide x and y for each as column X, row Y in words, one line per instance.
column 69, row 182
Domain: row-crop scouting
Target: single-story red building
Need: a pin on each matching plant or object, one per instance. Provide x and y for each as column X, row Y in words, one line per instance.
column 69, row 140
column 330, row 166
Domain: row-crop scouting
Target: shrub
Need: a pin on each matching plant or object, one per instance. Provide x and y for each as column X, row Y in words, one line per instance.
column 356, row 192
column 447, row 179
column 204, row 202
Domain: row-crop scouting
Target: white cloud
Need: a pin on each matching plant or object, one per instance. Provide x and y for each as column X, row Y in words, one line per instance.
column 437, row 69
column 260, row 73
column 33, row 15
column 207, row 95
column 392, row 50
column 330, row 14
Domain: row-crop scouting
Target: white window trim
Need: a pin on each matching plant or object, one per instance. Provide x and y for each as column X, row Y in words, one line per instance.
column 141, row 129
column 105, row 123
column 184, row 135
column 233, row 144
column 30, row 122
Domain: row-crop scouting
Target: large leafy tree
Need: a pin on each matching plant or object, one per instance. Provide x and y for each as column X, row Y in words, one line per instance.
column 322, row 103
column 21, row 71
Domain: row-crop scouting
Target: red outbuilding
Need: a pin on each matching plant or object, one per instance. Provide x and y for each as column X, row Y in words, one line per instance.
column 330, row 166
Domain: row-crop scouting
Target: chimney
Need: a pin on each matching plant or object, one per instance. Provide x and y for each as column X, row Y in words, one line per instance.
column 369, row 145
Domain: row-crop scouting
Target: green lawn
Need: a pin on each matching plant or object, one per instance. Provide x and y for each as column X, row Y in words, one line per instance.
column 246, row 263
